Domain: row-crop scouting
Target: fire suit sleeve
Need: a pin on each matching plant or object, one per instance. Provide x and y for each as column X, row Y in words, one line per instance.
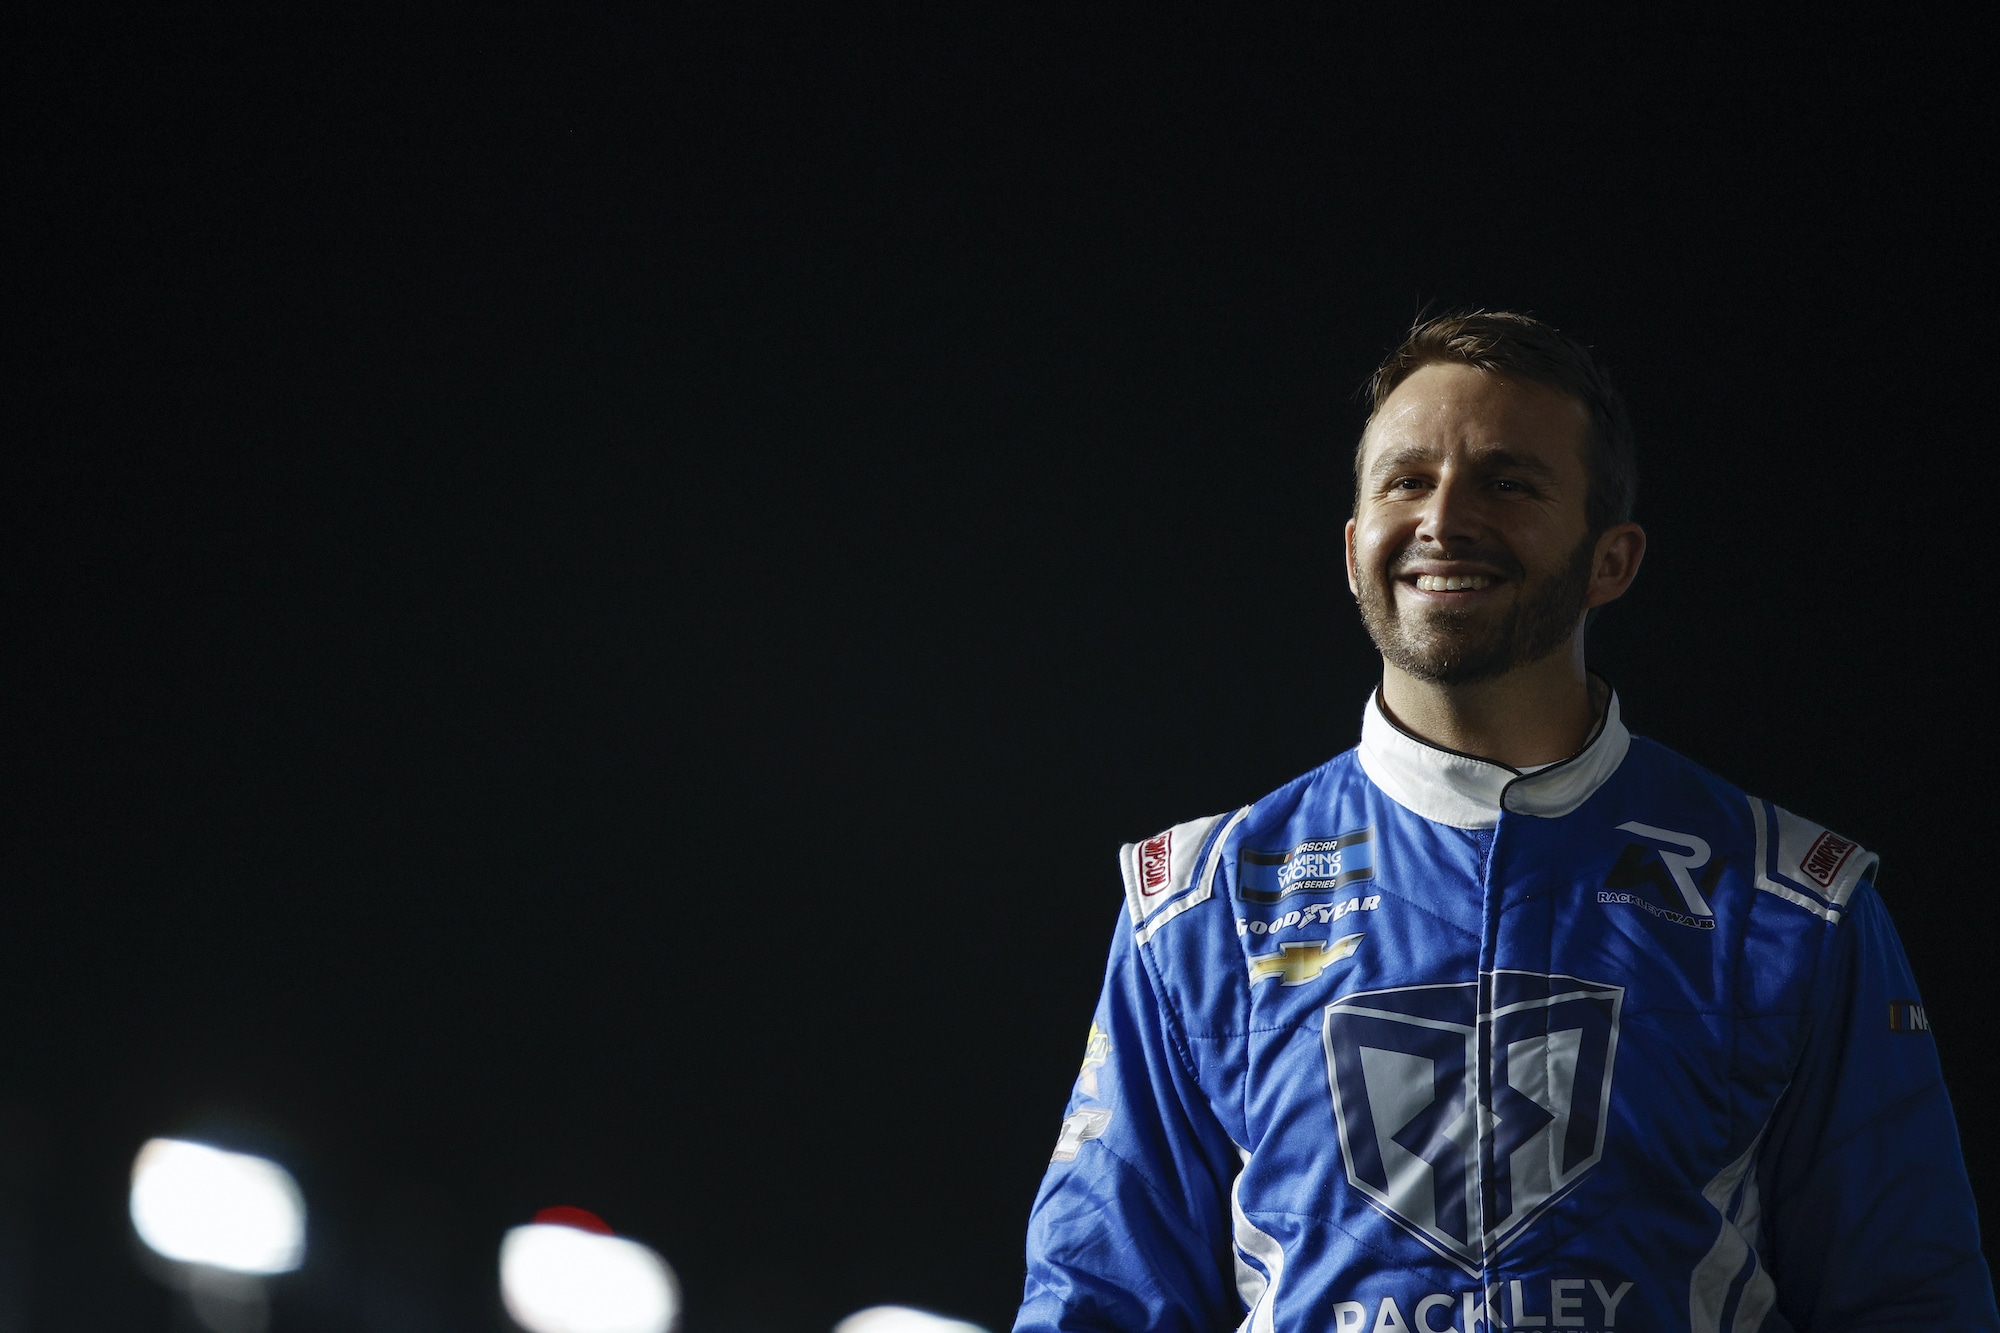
column 1130, row 1229
column 1871, row 1223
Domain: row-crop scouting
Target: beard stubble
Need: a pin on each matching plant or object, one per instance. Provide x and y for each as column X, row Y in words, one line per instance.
column 1449, row 647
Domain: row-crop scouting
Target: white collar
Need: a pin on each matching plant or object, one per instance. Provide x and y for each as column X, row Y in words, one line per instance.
column 1466, row 792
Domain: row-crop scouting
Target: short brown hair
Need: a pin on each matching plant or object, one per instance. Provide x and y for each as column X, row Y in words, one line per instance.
column 1504, row 343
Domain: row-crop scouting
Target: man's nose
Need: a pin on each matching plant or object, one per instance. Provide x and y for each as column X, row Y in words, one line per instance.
column 1451, row 514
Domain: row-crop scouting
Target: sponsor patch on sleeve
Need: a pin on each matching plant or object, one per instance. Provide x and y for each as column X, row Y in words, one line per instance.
column 1083, row 1125
column 1172, row 871
column 1908, row 1016
column 1807, row 864
column 1095, row 1052
column 1825, row 856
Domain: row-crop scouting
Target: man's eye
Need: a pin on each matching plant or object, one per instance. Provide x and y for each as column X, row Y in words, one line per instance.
column 1407, row 484
column 1510, row 484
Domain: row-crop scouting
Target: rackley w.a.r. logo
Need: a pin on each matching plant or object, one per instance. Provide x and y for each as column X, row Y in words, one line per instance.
column 1666, row 864
column 1461, row 1151
column 1315, row 866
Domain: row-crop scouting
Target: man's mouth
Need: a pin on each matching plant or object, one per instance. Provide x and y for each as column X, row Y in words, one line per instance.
column 1452, row 582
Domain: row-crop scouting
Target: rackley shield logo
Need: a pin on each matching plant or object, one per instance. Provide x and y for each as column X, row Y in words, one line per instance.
column 1316, row 866
column 1463, row 1117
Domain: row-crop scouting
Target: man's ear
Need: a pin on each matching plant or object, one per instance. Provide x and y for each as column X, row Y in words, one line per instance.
column 1615, row 563
column 1353, row 583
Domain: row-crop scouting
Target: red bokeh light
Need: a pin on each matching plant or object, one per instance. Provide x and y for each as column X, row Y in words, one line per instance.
column 579, row 1218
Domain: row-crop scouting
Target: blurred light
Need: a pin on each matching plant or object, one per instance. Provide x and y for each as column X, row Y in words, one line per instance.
column 559, row 1277
column 227, row 1302
column 200, row 1205
column 579, row 1218
column 902, row 1319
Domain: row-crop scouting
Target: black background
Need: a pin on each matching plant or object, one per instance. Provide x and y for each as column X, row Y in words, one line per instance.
column 590, row 599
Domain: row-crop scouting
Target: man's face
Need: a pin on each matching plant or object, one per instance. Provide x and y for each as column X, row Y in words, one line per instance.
column 1469, row 551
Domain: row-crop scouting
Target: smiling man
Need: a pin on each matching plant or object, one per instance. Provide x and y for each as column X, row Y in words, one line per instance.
column 1506, row 1018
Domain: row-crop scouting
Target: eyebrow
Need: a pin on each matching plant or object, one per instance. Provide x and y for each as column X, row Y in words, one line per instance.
column 1505, row 459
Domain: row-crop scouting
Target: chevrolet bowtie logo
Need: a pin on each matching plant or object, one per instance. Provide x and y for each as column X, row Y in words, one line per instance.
column 1304, row 961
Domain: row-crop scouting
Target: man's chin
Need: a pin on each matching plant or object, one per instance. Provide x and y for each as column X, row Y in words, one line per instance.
column 1453, row 670
column 1448, row 621
column 1455, row 659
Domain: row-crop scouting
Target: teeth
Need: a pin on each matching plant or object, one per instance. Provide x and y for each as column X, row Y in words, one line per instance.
column 1452, row 582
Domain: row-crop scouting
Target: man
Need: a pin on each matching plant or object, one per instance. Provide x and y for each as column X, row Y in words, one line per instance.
column 1506, row 1018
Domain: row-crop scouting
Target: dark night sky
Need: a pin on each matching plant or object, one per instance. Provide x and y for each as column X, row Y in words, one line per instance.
column 589, row 601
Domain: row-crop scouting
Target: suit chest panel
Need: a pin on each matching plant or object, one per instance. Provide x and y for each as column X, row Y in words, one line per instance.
column 1488, row 1027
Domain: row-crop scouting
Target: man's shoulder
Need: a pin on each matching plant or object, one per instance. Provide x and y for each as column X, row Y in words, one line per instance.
column 1340, row 780
column 1792, row 857
column 1176, row 869
column 1656, row 772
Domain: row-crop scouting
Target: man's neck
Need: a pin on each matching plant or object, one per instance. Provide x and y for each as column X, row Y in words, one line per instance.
column 1535, row 714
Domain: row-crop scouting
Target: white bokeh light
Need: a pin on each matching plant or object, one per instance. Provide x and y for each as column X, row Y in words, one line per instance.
column 902, row 1319
column 200, row 1205
column 559, row 1279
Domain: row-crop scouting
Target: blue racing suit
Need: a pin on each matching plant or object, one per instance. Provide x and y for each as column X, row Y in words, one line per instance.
column 1418, row 1042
